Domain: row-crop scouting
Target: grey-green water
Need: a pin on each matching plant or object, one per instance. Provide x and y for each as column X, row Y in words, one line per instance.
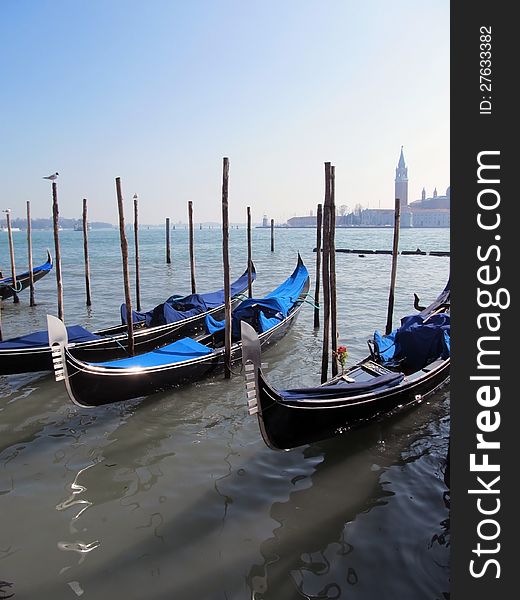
column 175, row 495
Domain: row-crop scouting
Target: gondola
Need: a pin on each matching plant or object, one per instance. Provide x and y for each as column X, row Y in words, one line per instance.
column 175, row 318
column 7, row 289
column 92, row 384
column 402, row 369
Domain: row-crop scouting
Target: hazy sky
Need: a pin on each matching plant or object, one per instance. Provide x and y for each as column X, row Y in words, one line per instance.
column 158, row 92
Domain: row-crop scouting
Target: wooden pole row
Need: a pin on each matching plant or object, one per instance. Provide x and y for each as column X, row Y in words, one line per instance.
column 395, row 248
column 326, row 274
column 136, row 243
column 249, row 255
column 29, row 256
column 168, row 255
column 57, row 252
column 329, row 305
column 225, row 259
column 16, row 300
column 332, row 259
column 85, row 252
column 319, row 218
column 126, row 278
column 192, row 251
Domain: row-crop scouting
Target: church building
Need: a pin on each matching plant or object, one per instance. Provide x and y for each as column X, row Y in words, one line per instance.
column 425, row 212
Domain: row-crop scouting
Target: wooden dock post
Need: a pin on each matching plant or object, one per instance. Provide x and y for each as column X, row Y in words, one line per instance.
column 85, row 253
column 16, row 300
column 225, row 258
column 319, row 219
column 126, row 278
column 326, row 276
column 57, row 252
column 249, row 255
column 136, row 241
column 192, row 250
column 272, row 235
column 168, row 255
column 397, row 217
column 332, row 274
column 29, row 255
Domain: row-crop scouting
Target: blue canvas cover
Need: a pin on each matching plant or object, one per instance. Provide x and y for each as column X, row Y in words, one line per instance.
column 47, row 266
column 417, row 342
column 176, row 308
column 40, row 339
column 385, row 345
column 265, row 313
column 179, row 351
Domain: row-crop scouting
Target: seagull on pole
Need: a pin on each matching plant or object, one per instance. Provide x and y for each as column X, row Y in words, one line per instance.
column 52, row 177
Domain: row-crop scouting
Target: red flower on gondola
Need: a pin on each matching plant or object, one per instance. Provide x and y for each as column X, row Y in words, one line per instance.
column 342, row 353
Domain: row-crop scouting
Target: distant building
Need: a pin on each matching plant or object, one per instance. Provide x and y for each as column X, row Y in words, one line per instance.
column 265, row 221
column 430, row 217
column 435, row 202
column 302, row 222
column 401, row 181
column 425, row 212
column 383, row 217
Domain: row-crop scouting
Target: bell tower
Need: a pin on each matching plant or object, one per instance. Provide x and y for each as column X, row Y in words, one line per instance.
column 401, row 181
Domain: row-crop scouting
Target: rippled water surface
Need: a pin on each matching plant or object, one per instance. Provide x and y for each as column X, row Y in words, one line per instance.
column 176, row 495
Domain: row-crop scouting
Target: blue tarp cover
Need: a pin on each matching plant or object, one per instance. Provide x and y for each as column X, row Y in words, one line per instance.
column 75, row 333
column 343, row 390
column 176, row 308
column 417, row 342
column 265, row 313
column 179, row 351
column 47, row 266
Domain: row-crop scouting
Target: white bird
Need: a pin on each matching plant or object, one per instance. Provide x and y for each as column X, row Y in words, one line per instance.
column 52, row 177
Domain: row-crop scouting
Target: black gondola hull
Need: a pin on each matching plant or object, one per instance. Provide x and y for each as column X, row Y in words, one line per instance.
column 111, row 347
column 286, row 425
column 369, row 390
column 91, row 385
column 24, row 280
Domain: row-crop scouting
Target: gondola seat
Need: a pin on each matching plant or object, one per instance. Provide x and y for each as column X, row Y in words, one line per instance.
column 343, row 389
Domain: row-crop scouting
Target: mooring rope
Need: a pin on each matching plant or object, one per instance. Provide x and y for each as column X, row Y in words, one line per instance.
column 18, row 289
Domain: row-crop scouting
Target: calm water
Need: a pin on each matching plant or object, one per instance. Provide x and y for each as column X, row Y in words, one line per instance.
column 176, row 496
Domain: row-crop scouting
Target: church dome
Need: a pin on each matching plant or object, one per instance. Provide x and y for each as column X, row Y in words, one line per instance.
column 448, row 191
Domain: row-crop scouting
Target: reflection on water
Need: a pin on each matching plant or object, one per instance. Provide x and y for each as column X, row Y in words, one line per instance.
column 176, row 496
column 73, row 500
column 313, row 553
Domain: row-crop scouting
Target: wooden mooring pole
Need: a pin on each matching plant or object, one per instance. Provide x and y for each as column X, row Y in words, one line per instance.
column 319, row 219
column 57, row 252
column 332, row 275
column 16, row 300
column 397, row 217
column 326, row 276
column 225, row 258
column 136, row 242
column 249, row 255
column 192, row 249
column 85, row 253
column 272, row 235
column 29, row 255
column 126, row 278
column 168, row 255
